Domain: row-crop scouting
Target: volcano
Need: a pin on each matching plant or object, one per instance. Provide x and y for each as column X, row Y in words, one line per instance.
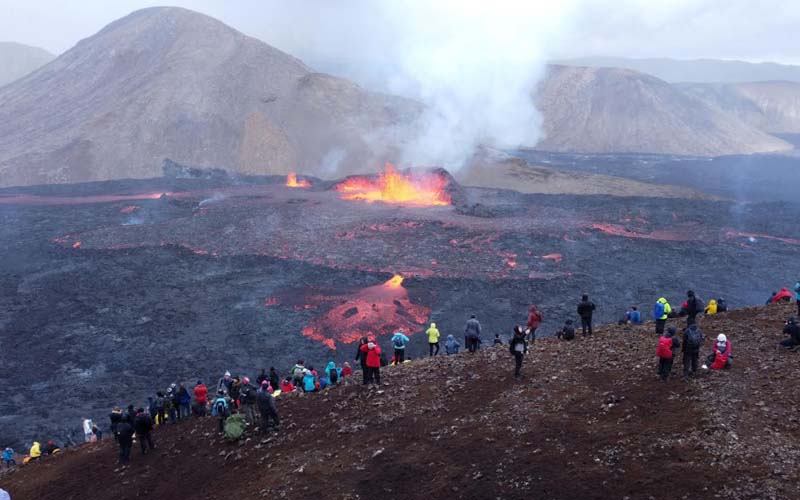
column 422, row 189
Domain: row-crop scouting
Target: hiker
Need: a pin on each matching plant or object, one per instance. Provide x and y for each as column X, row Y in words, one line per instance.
column 225, row 383
column 534, row 320
column 184, row 402
column 722, row 305
column 451, row 345
column 797, row 296
column 274, row 378
column 235, row 392
column 50, row 448
column 633, row 316
column 721, row 357
column 261, row 377
column 567, row 332
column 472, row 333
column 660, row 313
column 98, row 434
column 309, row 382
column 585, row 310
column 497, row 340
column 711, row 308
column 518, row 347
column 200, row 398
column 247, row 398
column 782, row 296
column 161, row 408
column 399, row 341
column 125, row 440
column 347, row 370
column 286, row 385
column 692, row 340
column 87, row 430
column 693, row 307
column 221, row 409
column 332, row 373
column 373, row 355
column 433, row 340
column 793, row 331
column 143, row 426
column 298, row 370
column 771, row 299
column 266, row 406
column 8, row 458
column 172, row 403
column 361, row 357
column 667, row 345
column 115, row 417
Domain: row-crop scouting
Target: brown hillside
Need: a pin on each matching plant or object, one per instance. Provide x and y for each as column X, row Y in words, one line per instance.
column 589, row 420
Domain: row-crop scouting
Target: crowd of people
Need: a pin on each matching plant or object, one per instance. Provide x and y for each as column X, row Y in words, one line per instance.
column 236, row 402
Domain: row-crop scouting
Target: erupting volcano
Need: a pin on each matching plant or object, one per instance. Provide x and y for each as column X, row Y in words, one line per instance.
column 372, row 311
column 426, row 189
column 292, row 182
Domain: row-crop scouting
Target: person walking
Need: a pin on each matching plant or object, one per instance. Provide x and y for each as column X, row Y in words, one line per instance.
column 692, row 341
column 433, row 340
column 660, row 313
column 373, row 362
column 667, row 345
column 534, row 320
column 143, row 426
column 472, row 333
column 125, row 441
column 518, row 348
column 586, row 309
column 267, row 408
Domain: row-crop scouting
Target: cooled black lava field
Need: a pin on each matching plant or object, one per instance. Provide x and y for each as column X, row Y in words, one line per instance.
column 110, row 291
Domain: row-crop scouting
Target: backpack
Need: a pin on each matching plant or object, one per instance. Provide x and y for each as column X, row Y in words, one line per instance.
column 398, row 341
column 658, row 310
column 664, row 349
column 220, row 408
column 694, row 337
column 333, row 376
column 234, row 427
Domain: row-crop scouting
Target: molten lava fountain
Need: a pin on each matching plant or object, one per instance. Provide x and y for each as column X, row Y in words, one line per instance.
column 292, row 182
column 373, row 311
column 393, row 187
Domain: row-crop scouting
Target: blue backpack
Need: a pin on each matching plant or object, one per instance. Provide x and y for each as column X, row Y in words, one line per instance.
column 658, row 310
column 398, row 341
column 220, row 408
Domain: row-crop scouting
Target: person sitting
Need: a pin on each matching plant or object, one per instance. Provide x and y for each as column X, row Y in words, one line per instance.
column 309, row 382
column 323, row 382
column 721, row 357
column 567, row 331
column 50, row 448
column 8, row 457
column 633, row 316
column 771, row 299
column 783, row 296
column 347, row 370
column 451, row 345
column 722, row 305
column 332, row 373
column 35, row 453
column 497, row 340
column 711, row 308
column 286, row 385
column 793, row 331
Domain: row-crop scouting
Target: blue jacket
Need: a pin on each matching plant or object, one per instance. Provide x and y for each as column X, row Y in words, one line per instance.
column 635, row 317
column 332, row 366
column 399, row 336
column 308, row 382
column 8, row 455
column 797, row 290
column 451, row 345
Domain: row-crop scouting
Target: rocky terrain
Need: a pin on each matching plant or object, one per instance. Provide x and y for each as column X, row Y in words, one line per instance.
column 17, row 60
column 589, row 419
column 610, row 110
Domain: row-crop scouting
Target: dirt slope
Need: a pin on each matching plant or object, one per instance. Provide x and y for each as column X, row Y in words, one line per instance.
column 589, row 420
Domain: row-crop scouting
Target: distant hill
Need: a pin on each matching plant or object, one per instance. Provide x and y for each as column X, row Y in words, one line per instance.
column 697, row 70
column 612, row 110
column 17, row 60
column 770, row 106
column 169, row 82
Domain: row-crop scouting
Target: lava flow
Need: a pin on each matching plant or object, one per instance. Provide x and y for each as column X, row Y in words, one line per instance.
column 427, row 189
column 373, row 311
column 292, row 182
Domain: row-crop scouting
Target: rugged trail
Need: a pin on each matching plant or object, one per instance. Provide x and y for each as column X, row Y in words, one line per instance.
column 589, row 420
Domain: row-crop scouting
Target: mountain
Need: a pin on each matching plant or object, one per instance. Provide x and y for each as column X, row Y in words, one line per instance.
column 697, row 70
column 17, row 60
column 612, row 110
column 169, row 82
column 770, row 106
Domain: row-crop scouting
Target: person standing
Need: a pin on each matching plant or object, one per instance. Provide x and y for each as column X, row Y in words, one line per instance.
column 185, row 402
column 200, row 398
column 221, row 409
column 266, row 406
column 586, row 309
column 797, row 295
column 361, row 358
column 143, row 426
column 660, row 313
column 115, row 417
column 472, row 333
column 667, row 345
column 373, row 362
column 125, row 440
column 247, row 397
column 534, row 320
column 518, row 347
column 692, row 341
column 399, row 341
column 274, row 378
column 694, row 306
column 433, row 340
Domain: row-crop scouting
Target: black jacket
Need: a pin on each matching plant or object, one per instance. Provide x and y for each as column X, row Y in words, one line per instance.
column 142, row 424
column 361, row 356
column 694, row 306
column 518, row 339
column 265, row 401
column 125, row 433
column 586, row 308
column 794, row 331
column 274, row 379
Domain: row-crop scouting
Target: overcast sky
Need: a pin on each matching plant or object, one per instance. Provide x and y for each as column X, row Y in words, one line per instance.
column 751, row 30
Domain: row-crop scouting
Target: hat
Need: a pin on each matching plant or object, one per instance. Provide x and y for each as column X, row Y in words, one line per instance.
column 264, row 382
column 722, row 338
column 246, row 380
column 227, row 373
column 199, row 382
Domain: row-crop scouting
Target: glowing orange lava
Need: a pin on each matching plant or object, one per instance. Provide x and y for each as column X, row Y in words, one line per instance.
column 292, row 182
column 393, row 187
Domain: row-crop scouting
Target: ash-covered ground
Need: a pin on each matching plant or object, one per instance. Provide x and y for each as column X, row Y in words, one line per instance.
column 110, row 291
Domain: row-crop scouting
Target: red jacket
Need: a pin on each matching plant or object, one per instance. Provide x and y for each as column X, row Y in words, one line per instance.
column 783, row 294
column 286, row 386
column 347, row 371
column 201, row 393
column 373, row 355
column 534, row 318
column 720, row 360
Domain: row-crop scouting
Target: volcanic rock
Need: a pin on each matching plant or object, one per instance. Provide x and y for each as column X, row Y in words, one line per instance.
column 172, row 83
column 17, row 60
column 611, row 110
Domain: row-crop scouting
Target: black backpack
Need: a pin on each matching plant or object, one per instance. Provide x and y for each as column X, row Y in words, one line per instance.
column 334, row 376
column 694, row 337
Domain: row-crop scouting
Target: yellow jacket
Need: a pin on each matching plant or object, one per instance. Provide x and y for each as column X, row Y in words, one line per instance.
column 667, row 308
column 35, row 451
column 433, row 334
column 711, row 308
